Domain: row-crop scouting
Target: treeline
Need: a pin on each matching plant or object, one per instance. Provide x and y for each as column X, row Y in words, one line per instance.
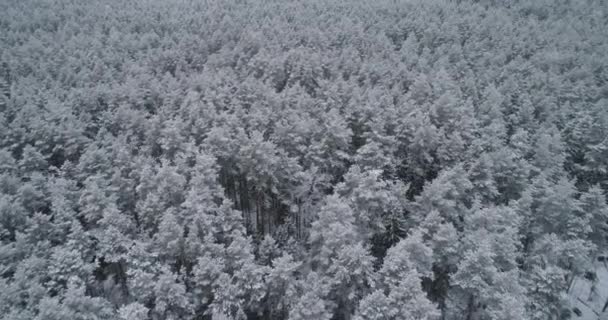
column 301, row 160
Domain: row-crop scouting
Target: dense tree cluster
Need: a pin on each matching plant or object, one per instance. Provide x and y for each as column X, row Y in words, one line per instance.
column 300, row 160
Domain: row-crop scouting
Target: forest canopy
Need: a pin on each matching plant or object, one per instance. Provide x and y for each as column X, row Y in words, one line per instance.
column 300, row 160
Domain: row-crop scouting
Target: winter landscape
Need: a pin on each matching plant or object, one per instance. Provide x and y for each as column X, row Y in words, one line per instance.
column 303, row 160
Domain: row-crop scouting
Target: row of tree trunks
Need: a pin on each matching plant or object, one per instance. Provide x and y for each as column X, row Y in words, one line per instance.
column 262, row 210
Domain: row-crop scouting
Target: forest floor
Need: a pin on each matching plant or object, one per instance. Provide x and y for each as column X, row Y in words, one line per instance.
column 590, row 297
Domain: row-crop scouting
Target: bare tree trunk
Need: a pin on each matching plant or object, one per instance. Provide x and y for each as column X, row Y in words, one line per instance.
column 259, row 214
column 298, row 214
column 471, row 308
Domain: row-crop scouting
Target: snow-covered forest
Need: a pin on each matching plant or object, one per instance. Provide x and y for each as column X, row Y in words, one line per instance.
column 303, row 160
